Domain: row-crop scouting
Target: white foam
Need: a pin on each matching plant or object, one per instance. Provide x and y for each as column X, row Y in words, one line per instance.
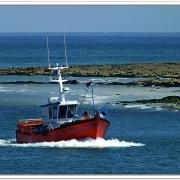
column 21, row 90
column 98, row 99
column 6, row 90
column 143, row 106
column 159, row 108
column 97, row 79
column 87, row 143
column 122, row 78
column 135, row 106
column 146, row 107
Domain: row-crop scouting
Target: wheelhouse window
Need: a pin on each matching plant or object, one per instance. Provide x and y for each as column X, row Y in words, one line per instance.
column 54, row 112
column 67, row 111
column 71, row 111
column 62, row 112
column 50, row 113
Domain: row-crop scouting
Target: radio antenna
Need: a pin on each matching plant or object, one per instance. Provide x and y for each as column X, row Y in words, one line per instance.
column 48, row 52
column 65, row 53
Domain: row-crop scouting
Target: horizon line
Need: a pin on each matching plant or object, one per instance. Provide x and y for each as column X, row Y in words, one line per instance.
column 86, row 32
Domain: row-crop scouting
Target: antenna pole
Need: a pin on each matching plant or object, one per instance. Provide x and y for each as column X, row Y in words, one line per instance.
column 61, row 92
column 65, row 54
column 57, row 71
column 48, row 52
column 92, row 98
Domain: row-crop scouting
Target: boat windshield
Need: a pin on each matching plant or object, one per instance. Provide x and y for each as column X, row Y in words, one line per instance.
column 67, row 111
column 50, row 112
column 71, row 111
column 53, row 112
column 62, row 112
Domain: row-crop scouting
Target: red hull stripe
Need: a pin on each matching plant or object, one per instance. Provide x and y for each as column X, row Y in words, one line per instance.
column 59, row 135
column 75, row 130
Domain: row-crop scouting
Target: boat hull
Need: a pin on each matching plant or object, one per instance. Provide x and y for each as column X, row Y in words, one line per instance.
column 93, row 128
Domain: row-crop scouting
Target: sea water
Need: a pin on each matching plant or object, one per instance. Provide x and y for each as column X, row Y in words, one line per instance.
column 94, row 48
column 140, row 140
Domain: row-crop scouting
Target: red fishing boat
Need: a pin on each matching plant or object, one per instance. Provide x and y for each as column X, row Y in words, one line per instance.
column 62, row 121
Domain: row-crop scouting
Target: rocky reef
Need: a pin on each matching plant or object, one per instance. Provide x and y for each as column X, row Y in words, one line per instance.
column 37, row 82
column 146, row 82
column 165, row 70
column 169, row 102
column 168, row 99
column 162, row 74
column 171, row 82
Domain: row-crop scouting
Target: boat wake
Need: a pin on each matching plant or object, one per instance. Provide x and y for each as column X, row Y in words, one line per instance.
column 86, row 143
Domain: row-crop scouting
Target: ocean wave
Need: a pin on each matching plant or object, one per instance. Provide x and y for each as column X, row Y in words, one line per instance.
column 98, row 99
column 135, row 106
column 158, row 108
column 12, row 90
column 86, row 143
column 21, row 90
column 6, row 90
column 144, row 106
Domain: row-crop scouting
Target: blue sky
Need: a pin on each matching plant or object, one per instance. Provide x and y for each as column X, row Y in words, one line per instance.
column 90, row 18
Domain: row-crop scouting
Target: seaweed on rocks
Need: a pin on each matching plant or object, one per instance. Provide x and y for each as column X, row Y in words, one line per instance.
column 38, row 82
column 165, row 70
column 168, row 99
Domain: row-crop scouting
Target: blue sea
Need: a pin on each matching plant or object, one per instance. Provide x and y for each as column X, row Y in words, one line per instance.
column 29, row 49
column 142, row 139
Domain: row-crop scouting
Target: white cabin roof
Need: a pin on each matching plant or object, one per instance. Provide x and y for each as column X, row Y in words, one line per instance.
column 69, row 103
column 61, row 103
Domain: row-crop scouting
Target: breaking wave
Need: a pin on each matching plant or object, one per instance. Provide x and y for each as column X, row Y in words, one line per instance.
column 143, row 106
column 86, row 143
column 135, row 106
column 6, row 90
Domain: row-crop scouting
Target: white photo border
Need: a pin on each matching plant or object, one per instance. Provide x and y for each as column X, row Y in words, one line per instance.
column 89, row 2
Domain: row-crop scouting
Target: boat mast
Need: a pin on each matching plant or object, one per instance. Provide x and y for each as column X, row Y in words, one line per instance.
column 48, row 52
column 65, row 50
column 57, row 70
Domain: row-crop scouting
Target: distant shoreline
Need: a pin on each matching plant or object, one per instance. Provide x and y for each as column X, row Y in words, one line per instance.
column 94, row 33
column 154, row 70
